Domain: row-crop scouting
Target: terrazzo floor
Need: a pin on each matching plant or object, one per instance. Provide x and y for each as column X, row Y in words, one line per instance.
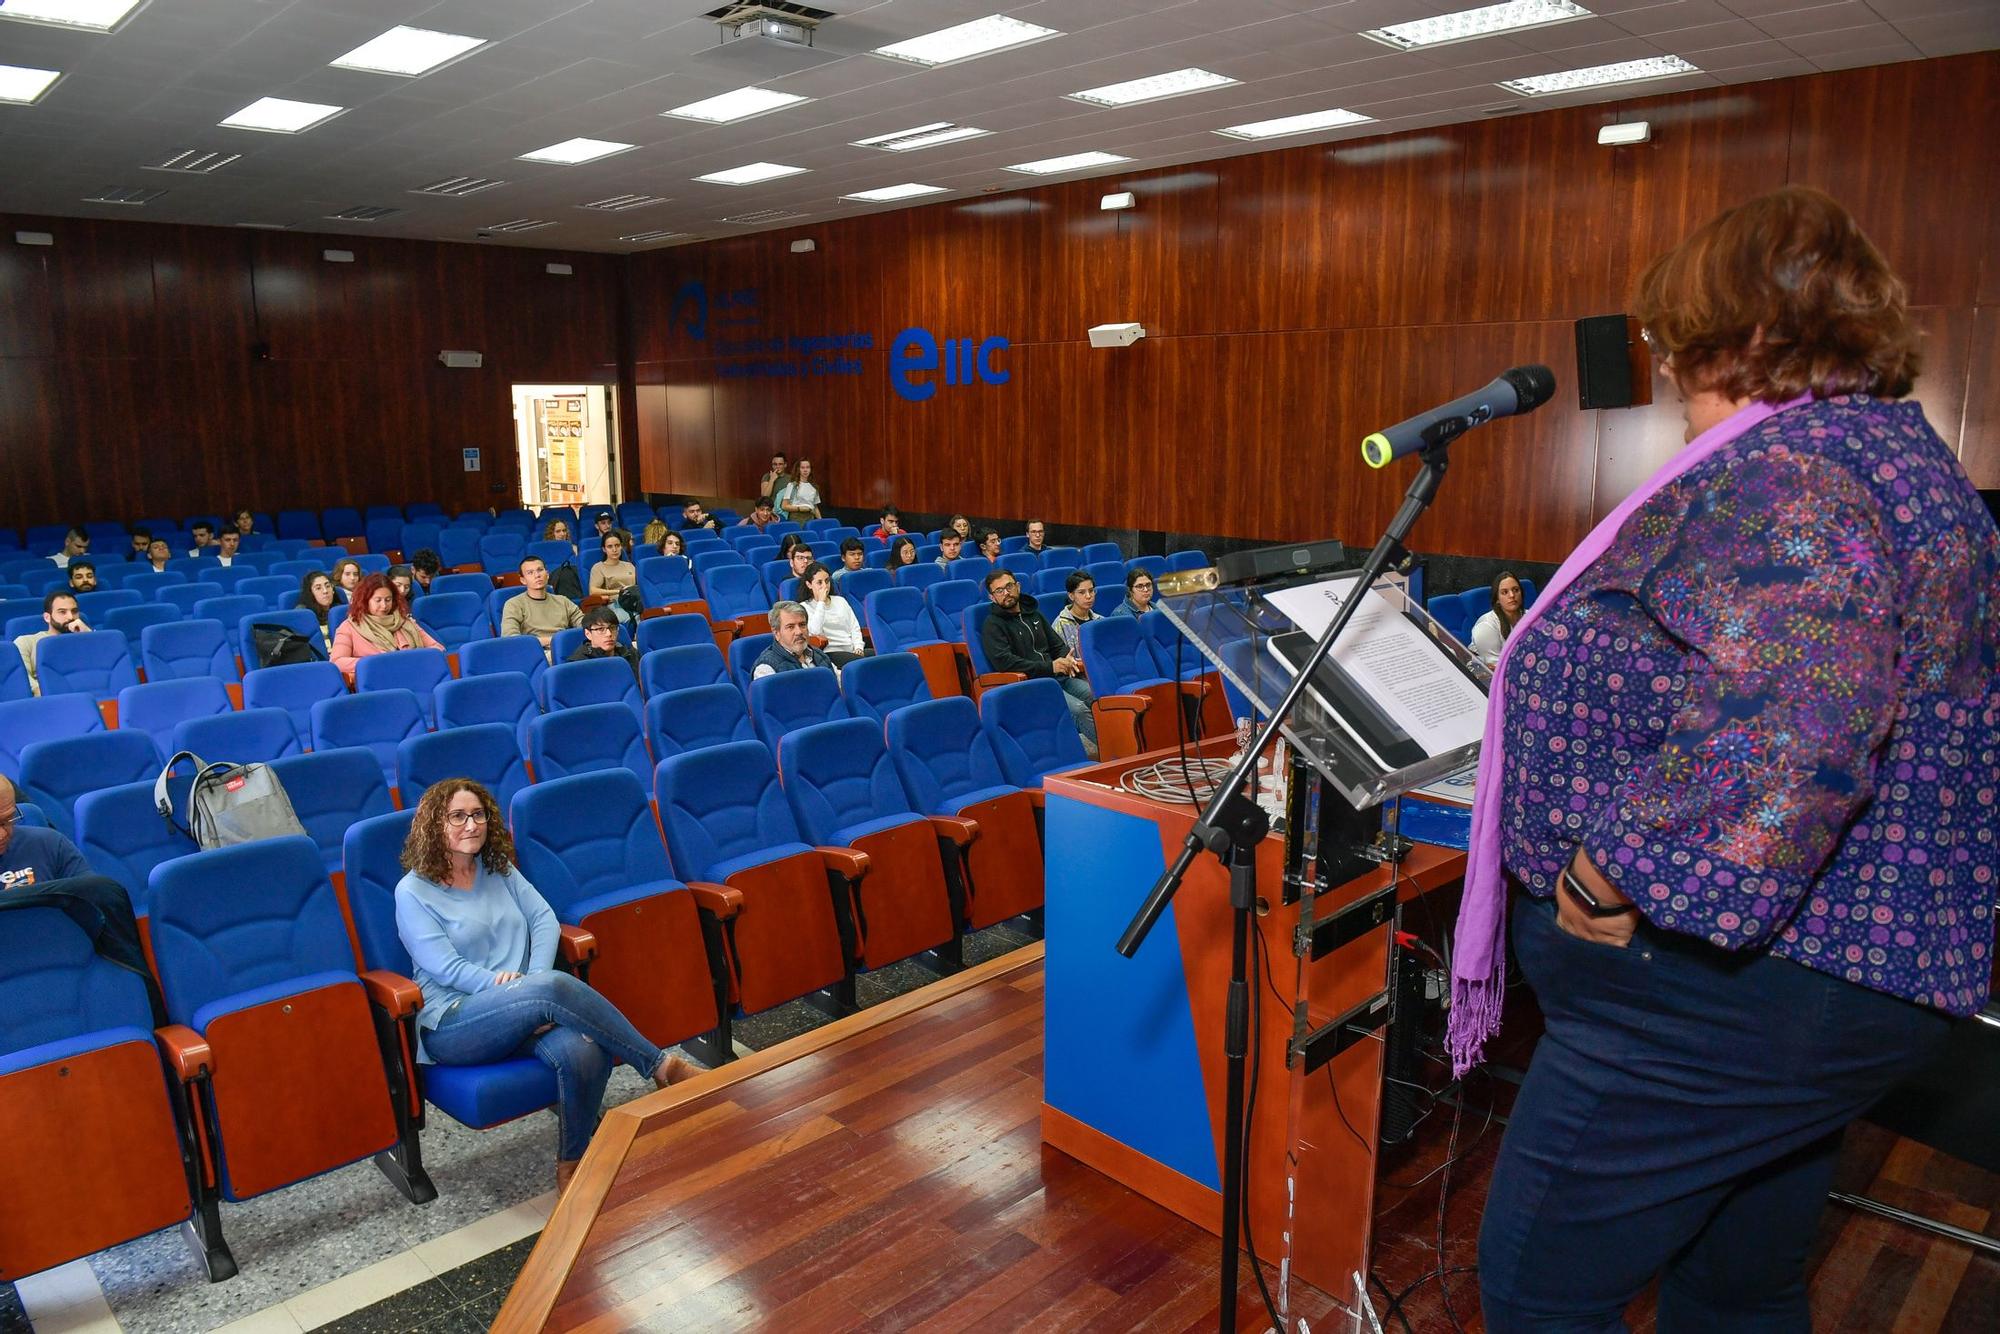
column 329, row 1252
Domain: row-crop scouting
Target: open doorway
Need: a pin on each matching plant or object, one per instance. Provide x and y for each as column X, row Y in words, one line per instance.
column 567, row 435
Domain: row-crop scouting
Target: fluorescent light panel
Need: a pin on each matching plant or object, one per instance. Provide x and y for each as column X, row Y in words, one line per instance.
column 619, row 203
column 1174, row 83
column 408, row 51
column 741, row 104
column 653, row 236
column 1485, row 21
column 124, row 194
column 24, row 85
column 455, row 187
column 1304, row 124
column 1049, row 166
column 751, row 174
column 965, row 41
column 279, row 115
column 570, row 152
column 886, row 193
column 519, row 225
column 96, row 15
column 764, row 215
column 921, row 136
column 197, row 161
column 1597, row 76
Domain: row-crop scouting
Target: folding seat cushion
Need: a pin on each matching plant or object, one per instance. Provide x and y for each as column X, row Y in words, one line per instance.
column 97, row 663
column 1030, row 729
column 677, row 631
column 514, row 653
column 155, row 709
column 500, row 697
column 23, row 722
column 246, row 736
column 378, row 720
column 92, row 1156
column 844, row 792
column 121, row 834
column 270, row 980
column 948, row 601
column 295, row 688
column 900, row 621
column 784, row 702
column 55, row 773
column 595, row 681
column 586, row 739
column 487, row 753
column 454, row 619
column 695, row 717
column 667, row 581
column 727, row 822
column 668, row 669
column 875, row 687
column 590, row 846
column 948, row 767
column 330, row 789
column 743, row 657
column 418, row 670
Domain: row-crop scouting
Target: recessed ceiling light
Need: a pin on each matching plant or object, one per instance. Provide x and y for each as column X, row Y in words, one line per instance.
column 409, row 51
column 1049, row 166
column 888, row 192
column 652, row 236
column 123, row 194
column 923, row 136
column 197, row 161
column 455, row 187
column 619, row 203
column 96, row 15
column 981, row 37
column 364, row 213
column 519, row 225
column 751, row 174
column 764, row 215
column 1629, row 71
column 24, row 85
column 1482, row 22
column 1174, row 83
column 570, row 152
column 741, row 104
column 1311, row 120
column 279, row 115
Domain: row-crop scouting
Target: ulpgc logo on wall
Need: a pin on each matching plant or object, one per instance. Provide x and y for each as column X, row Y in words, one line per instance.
column 920, row 363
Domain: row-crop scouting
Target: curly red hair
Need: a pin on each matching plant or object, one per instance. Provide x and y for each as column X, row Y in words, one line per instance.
column 357, row 601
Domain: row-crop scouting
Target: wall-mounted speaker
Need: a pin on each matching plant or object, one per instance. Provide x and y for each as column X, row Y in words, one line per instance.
column 1612, row 368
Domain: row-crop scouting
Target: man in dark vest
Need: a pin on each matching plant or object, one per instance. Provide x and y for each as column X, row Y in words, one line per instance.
column 790, row 651
column 1018, row 639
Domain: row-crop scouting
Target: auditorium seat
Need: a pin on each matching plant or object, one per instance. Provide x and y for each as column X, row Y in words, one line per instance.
column 564, row 645
column 948, row 767
column 1094, row 552
column 418, row 534
column 696, row 717
column 676, row 631
column 669, row 669
column 974, row 568
column 1448, row 611
column 743, row 654
column 302, row 524
column 148, row 583
column 668, row 581
column 590, row 846
column 844, row 792
column 14, row 684
column 95, row 606
column 595, row 681
column 295, row 687
column 295, row 571
column 422, row 509
column 734, row 593
column 96, row 1139
column 458, row 551
column 278, row 591
column 856, row 585
column 270, row 982
column 585, row 739
column 1187, row 559
column 97, row 663
column 1110, row 577
column 184, row 597
column 784, row 702
column 948, row 601
column 336, row 522
column 1020, row 564
column 418, row 670
column 189, row 648
column 510, row 653
column 378, row 720
column 454, row 619
column 552, row 554
column 230, row 609
column 497, row 697
column 480, row 585
column 155, row 709
column 56, row 772
column 132, row 622
column 329, row 789
column 1049, row 588
column 919, row 576
column 487, row 753
column 1031, row 731
column 120, row 833
column 1152, row 565
column 1118, row 657
column 501, row 553
column 23, row 722
column 877, row 686
column 244, row 736
column 300, row 622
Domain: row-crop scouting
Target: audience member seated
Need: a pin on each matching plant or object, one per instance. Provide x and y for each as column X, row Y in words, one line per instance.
column 535, row 610
column 613, row 574
column 316, row 595
column 950, row 546
column 890, row 526
column 226, row 547
column 404, row 580
column 482, row 943
column 1038, row 536
column 60, row 615
column 346, row 577
column 203, row 535
column 694, row 516
column 600, row 640
column 655, row 535
column 557, row 530
column 158, row 554
column 989, row 544
column 760, row 517
column 602, row 525
column 1081, row 607
column 830, row 616
column 902, row 552
column 799, row 501
column 244, row 522
column 792, row 650
column 31, row 855
column 800, row 554
column 142, row 542
column 1489, row 632
column 961, row 525
column 82, row 575
column 1018, row 639
column 75, row 543
column 425, row 566
column 1138, row 593
column 773, row 481
column 378, row 621
column 853, row 556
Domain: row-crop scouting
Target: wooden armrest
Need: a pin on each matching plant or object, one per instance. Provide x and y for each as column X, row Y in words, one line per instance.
column 188, row 1050
column 817, row 641
column 848, row 862
column 577, row 945
column 957, row 828
column 392, row 992
column 1124, row 703
column 722, row 901
column 1198, row 689
column 991, row 679
column 1037, row 797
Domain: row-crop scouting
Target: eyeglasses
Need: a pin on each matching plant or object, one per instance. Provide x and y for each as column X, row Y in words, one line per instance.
column 460, row 819
column 12, row 818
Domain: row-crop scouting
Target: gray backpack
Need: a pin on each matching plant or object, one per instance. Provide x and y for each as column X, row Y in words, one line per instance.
column 228, row 803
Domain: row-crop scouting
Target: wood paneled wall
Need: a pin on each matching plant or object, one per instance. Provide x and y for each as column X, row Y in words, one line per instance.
column 148, row 369
column 1295, row 300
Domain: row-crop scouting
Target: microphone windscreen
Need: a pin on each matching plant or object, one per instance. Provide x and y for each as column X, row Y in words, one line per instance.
column 1532, row 385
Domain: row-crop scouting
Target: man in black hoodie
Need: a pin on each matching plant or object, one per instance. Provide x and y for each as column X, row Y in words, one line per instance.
column 1018, row 639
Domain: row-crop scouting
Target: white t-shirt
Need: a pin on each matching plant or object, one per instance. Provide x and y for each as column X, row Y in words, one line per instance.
column 834, row 619
column 801, row 494
column 1486, row 638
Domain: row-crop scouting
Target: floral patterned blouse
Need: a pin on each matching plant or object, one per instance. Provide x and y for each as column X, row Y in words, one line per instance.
column 1771, row 711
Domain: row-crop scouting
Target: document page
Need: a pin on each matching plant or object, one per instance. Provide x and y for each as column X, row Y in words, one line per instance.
column 1393, row 661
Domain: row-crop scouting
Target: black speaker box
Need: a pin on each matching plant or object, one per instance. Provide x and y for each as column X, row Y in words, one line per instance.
column 1607, row 364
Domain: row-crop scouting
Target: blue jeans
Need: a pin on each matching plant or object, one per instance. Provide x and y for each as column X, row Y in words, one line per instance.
column 1681, row 1117
column 1079, row 696
column 589, row 1034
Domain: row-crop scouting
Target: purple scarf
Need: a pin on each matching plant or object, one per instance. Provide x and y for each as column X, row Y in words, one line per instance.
column 1478, row 968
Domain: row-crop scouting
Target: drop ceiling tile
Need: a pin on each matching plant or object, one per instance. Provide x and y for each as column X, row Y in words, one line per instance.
column 1953, row 34
column 1671, row 16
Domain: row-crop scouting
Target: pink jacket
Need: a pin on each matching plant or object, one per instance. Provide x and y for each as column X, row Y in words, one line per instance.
column 349, row 647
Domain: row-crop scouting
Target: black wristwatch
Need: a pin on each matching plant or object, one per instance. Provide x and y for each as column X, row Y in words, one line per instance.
column 1591, row 904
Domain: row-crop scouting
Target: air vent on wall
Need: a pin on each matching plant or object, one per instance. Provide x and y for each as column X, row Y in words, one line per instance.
column 455, row 187
column 647, row 237
column 123, row 194
column 363, row 213
column 619, row 203
column 197, row 161
column 764, row 215
column 519, row 225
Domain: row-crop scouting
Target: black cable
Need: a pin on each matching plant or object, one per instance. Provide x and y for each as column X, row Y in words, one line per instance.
column 1249, row 1113
column 1391, row 1308
column 1396, row 1304
column 1180, row 720
column 1444, row 1193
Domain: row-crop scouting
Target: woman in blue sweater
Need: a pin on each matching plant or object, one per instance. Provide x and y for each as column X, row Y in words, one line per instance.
column 483, row 945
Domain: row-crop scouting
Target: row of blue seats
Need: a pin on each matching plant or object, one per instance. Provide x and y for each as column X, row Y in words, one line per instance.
column 330, row 524
column 1459, row 612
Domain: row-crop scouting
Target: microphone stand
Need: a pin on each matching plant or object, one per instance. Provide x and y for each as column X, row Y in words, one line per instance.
column 1233, row 825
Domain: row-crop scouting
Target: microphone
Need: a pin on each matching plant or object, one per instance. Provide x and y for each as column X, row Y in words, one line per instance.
column 1522, row 389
